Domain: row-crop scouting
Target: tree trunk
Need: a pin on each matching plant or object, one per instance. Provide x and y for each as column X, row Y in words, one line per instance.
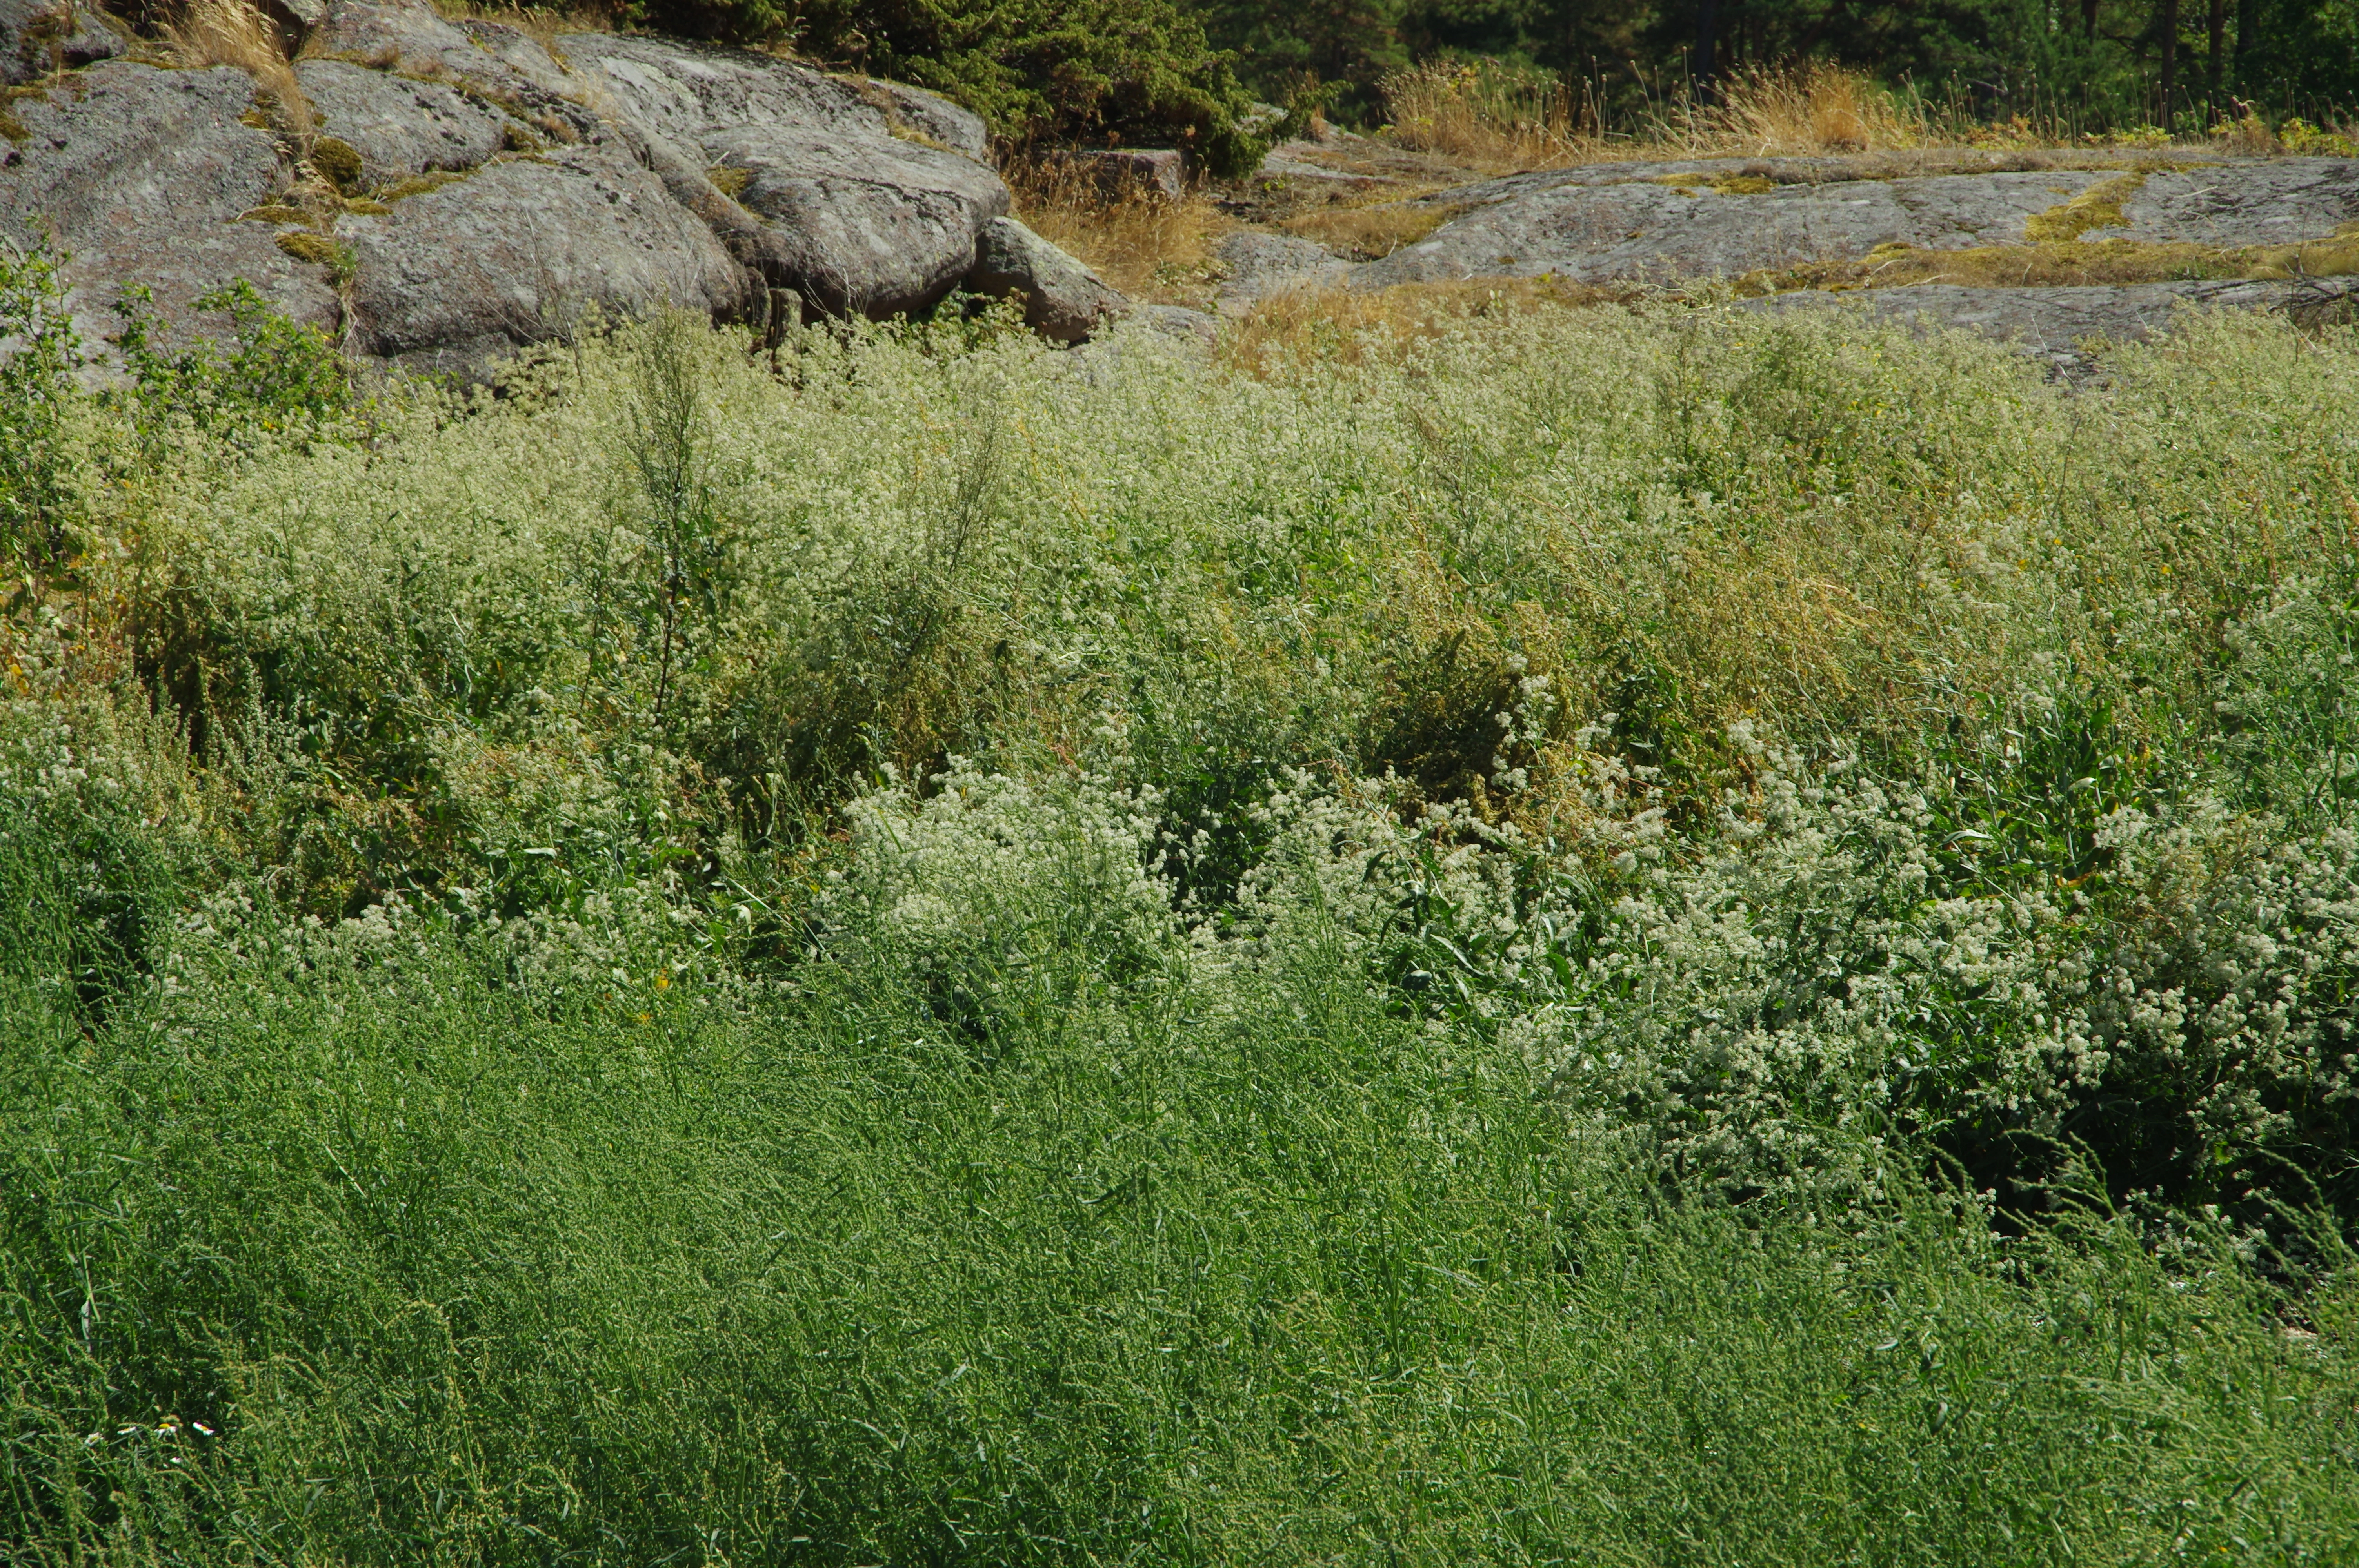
column 1705, row 65
column 2248, row 36
column 2169, row 58
column 2215, row 105
column 2089, row 18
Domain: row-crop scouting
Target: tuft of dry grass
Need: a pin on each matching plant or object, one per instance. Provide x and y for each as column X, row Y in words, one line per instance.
column 1306, row 327
column 1814, row 107
column 1140, row 241
column 1370, row 231
column 1485, row 115
column 1491, row 117
column 236, row 33
column 543, row 23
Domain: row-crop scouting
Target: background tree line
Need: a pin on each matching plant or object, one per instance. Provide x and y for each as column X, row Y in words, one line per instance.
column 2097, row 63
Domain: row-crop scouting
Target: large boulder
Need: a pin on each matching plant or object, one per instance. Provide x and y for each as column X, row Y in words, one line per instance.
column 853, row 217
column 40, row 38
column 465, row 188
column 518, row 252
column 400, row 126
column 143, row 175
column 1064, row 300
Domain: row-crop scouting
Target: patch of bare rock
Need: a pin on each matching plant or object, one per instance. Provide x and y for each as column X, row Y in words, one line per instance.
column 459, row 190
column 1676, row 224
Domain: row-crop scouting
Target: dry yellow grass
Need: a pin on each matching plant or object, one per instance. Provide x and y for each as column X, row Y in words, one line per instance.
column 1369, row 230
column 235, row 33
column 1492, row 119
column 544, row 24
column 1484, row 118
column 1140, row 241
column 1306, row 327
column 1815, row 107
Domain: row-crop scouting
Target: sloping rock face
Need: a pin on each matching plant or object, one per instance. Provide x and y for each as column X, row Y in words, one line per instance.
column 2053, row 323
column 1673, row 223
column 400, row 126
column 142, row 177
column 453, row 278
column 854, row 219
column 467, row 190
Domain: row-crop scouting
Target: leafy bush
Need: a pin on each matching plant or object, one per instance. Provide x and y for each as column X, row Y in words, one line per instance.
column 35, row 396
column 274, row 374
column 1125, row 73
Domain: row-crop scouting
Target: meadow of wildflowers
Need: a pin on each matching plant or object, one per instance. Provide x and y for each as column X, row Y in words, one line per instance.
column 1593, row 935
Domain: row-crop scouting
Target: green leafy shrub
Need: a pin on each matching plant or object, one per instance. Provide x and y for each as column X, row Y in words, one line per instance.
column 276, row 374
column 1128, row 72
column 36, row 394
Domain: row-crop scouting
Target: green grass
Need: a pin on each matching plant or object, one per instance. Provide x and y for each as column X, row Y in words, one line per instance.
column 1561, row 936
column 456, row 1278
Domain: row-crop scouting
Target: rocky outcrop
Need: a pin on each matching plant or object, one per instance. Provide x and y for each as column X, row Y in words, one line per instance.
column 1855, row 223
column 521, row 251
column 2054, row 324
column 41, row 37
column 1679, row 222
column 1064, row 300
column 853, row 217
column 460, row 188
column 148, row 178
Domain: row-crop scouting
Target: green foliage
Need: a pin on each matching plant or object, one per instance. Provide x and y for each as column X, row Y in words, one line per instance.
column 2095, row 65
column 357, row 1257
column 90, row 897
column 276, row 374
column 1122, row 73
column 893, row 953
column 36, row 391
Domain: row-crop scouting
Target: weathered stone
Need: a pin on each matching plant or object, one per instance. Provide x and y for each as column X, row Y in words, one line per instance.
column 930, row 114
column 2054, row 324
column 854, row 219
column 1179, row 321
column 1711, row 219
column 1062, row 299
column 39, row 37
column 140, row 176
column 2244, row 203
column 1262, row 265
column 501, row 65
column 1121, row 171
column 521, row 250
column 400, row 126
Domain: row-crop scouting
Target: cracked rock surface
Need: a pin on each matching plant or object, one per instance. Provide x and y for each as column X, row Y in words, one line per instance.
column 467, row 190
column 1680, row 223
column 142, row 177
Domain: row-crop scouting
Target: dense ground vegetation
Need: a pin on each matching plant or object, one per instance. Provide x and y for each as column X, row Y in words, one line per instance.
column 1597, row 934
